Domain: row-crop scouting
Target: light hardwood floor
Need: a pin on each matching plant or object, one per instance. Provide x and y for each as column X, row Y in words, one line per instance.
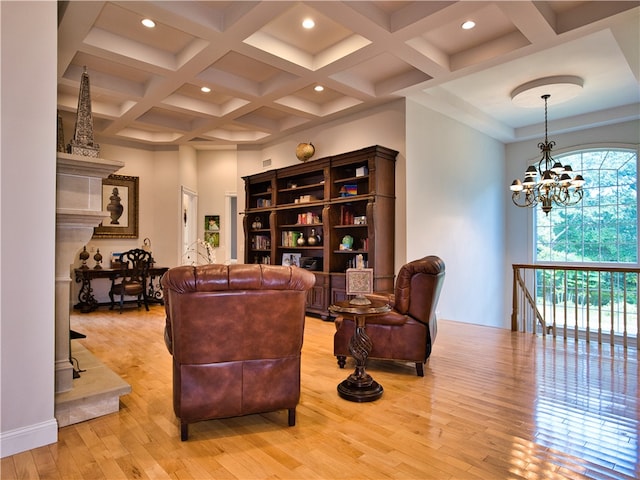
column 492, row 405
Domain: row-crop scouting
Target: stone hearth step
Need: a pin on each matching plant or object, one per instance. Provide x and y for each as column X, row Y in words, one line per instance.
column 97, row 392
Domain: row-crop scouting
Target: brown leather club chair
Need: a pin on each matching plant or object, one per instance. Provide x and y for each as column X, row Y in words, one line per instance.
column 235, row 333
column 408, row 331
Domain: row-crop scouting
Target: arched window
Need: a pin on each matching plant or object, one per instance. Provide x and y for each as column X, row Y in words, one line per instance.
column 603, row 228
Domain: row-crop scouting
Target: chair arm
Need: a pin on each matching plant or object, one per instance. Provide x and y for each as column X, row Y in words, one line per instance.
column 390, row 318
column 168, row 334
column 167, row 337
column 114, row 277
column 390, row 298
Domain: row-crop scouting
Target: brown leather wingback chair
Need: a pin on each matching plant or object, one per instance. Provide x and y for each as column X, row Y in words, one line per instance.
column 408, row 331
column 235, row 333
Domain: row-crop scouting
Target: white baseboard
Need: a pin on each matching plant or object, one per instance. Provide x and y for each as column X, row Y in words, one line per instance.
column 27, row 438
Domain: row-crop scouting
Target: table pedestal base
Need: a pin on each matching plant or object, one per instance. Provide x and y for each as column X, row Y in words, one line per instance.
column 359, row 386
column 364, row 390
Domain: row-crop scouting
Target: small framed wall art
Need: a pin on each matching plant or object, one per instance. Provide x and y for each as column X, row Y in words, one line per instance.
column 212, row 230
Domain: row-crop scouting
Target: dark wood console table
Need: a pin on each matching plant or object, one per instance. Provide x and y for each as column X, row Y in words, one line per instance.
column 360, row 386
column 87, row 302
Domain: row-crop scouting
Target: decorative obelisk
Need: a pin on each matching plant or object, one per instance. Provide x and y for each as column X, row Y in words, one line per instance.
column 82, row 141
column 60, row 143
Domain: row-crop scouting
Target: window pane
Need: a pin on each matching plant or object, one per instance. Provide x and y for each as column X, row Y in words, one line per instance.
column 604, row 226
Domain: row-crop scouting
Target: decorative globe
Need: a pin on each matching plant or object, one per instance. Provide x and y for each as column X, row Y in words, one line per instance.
column 304, row 151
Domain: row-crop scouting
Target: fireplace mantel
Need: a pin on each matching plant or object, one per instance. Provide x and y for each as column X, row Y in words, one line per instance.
column 78, row 211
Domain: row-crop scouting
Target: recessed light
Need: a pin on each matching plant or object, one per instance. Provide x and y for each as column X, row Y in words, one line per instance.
column 468, row 25
column 205, row 89
column 147, row 22
column 318, row 88
column 308, row 23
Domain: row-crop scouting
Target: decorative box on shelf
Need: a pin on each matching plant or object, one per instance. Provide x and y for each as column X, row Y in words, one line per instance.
column 362, row 171
column 306, row 199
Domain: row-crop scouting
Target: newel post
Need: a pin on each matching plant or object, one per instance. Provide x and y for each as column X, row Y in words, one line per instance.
column 514, row 307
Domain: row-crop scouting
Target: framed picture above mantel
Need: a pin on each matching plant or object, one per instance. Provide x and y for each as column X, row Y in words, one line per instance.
column 120, row 200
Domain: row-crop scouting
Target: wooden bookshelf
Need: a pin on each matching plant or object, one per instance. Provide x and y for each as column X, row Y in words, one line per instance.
column 329, row 199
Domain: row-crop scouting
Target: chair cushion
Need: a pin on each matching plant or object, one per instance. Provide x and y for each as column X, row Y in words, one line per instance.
column 128, row 288
column 408, row 343
column 132, row 288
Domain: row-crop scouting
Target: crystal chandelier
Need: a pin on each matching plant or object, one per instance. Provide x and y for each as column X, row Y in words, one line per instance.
column 555, row 185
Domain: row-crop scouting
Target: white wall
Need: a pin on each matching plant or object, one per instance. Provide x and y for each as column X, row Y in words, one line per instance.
column 27, row 214
column 188, row 168
column 166, row 215
column 455, row 182
column 217, row 176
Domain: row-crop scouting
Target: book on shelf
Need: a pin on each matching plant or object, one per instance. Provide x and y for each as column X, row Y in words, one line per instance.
column 261, row 242
column 308, row 218
column 346, row 215
column 290, row 238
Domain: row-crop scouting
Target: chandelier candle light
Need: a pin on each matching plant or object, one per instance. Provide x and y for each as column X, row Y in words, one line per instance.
column 555, row 184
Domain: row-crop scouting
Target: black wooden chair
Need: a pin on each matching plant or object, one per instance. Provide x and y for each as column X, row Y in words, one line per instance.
column 131, row 281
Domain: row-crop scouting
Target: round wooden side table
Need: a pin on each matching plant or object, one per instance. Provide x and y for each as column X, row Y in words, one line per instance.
column 360, row 386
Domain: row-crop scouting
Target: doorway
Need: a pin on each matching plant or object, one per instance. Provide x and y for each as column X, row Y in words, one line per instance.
column 189, row 222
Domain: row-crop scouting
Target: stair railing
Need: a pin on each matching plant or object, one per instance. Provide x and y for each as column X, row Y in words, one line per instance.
column 592, row 303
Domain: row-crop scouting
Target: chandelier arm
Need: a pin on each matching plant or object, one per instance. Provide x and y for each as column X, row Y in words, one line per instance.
column 573, row 198
column 560, row 196
column 565, row 197
column 529, row 199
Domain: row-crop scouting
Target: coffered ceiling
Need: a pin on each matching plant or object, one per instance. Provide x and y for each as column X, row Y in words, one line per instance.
column 262, row 65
